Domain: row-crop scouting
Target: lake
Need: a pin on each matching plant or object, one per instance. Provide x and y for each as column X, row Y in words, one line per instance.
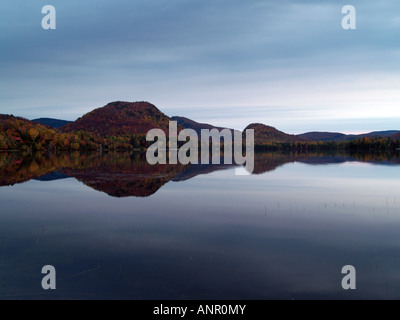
column 115, row 227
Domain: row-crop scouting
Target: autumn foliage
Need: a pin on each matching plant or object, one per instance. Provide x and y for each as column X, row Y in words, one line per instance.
column 21, row 134
column 121, row 119
column 123, row 126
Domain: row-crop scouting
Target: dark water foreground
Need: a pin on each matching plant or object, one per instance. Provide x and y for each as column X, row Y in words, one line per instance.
column 115, row 227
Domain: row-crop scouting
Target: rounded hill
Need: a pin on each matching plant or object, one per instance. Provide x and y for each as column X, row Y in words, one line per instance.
column 266, row 134
column 121, row 118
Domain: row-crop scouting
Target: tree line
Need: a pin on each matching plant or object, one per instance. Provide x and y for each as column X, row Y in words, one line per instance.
column 21, row 134
column 362, row 145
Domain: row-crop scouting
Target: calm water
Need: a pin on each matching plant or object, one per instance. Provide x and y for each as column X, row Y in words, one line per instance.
column 117, row 228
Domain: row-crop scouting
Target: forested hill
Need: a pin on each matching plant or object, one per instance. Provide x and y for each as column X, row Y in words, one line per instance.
column 267, row 134
column 121, row 118
column 336, row 136
column 124, row 125
column 17, row 133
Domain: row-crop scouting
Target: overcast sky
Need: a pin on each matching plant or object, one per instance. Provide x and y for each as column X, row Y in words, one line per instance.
column 286, row 63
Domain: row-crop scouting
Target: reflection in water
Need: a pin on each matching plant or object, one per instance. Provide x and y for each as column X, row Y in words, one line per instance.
column 129, row 174
column 117, row 174
column 284, row 232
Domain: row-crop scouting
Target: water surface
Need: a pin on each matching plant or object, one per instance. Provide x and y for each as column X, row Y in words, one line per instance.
column 115, row 227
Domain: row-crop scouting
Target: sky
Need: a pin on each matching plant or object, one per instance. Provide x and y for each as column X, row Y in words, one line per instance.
column 287, row 63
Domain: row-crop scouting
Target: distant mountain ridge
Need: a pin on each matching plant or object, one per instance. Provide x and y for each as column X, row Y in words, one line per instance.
column 268, row 134
column 50, row 122
column 122, row 124
column 196, row 126
column 323, row 136
column 336, row 136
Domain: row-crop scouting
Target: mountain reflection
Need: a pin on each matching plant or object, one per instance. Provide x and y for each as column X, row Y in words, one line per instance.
column 129, row 174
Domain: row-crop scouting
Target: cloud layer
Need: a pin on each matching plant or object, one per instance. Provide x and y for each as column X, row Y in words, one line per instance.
column 286, row 63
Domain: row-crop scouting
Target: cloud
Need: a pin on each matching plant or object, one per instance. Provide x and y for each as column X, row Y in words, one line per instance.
column 184, row 55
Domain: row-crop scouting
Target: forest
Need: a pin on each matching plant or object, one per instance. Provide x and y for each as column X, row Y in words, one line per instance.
column 24, row 135
column 385, row 145
column 20, row 134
